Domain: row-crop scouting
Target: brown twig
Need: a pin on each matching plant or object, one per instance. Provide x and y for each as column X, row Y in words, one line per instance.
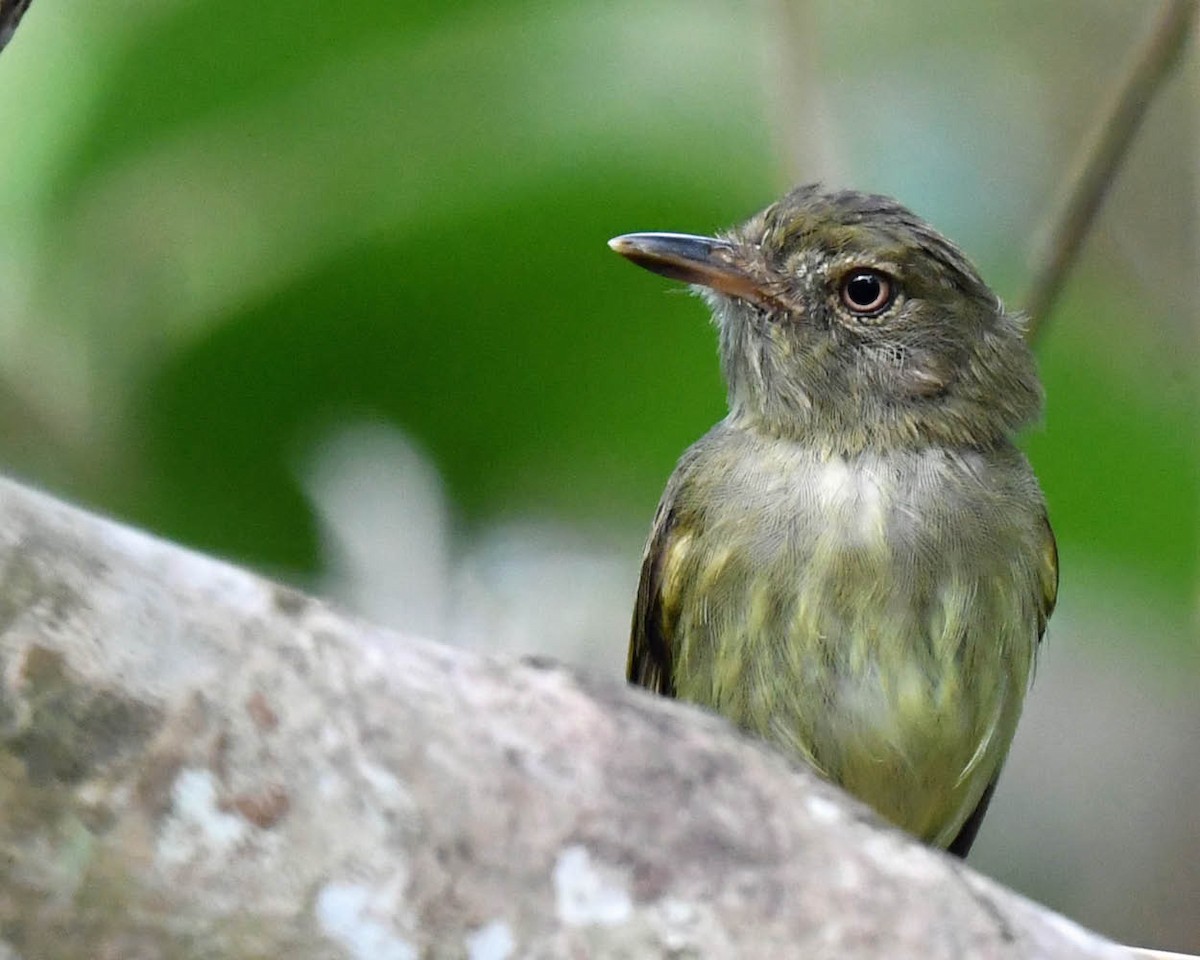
column 1101, row 155
column 806, row 141
column 11, row 12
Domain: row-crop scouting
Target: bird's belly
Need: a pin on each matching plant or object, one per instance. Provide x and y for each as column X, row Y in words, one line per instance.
column 901, row 681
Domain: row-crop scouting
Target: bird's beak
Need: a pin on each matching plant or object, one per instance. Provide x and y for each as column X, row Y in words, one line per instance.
column 706, row 261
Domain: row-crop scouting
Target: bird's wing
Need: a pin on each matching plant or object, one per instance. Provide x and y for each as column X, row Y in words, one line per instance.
column 960, row 846
column 1047, row 576
column 654, row 615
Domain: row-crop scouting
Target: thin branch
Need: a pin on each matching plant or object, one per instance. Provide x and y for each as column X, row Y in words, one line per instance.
column 806, row 141
column 11, row 12
column 1098, row 161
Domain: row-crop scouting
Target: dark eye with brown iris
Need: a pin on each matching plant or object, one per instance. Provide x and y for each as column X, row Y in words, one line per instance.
column 867, row 293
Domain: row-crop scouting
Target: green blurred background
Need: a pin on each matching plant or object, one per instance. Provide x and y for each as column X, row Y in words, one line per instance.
column 329, row 295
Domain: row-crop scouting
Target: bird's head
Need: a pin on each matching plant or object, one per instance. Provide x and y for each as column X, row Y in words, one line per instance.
column 848, row 321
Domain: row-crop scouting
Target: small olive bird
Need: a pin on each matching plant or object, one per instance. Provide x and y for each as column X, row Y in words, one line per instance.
column 856, row 563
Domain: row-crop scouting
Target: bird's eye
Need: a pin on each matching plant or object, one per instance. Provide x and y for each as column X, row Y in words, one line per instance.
column 867, row 293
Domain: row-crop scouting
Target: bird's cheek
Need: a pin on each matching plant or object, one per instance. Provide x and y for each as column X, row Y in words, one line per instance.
column 926, row 376
column 782, row 345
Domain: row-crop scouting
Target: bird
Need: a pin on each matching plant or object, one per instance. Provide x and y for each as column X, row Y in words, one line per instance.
column 856, row 564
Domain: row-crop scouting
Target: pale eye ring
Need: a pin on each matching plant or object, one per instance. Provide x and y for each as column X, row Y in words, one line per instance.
column 867, row 293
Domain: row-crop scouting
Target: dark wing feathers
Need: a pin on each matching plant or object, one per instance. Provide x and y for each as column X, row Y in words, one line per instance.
column 1049, row 578
column 649, row 663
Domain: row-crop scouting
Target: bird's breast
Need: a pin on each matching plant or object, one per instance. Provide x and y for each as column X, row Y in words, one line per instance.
column 872, row 614
column 853, row 497
column 797, row 501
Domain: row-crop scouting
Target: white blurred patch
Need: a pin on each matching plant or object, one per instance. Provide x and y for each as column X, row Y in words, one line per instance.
column 385, row 524
column 520, row 586
column 546, row 583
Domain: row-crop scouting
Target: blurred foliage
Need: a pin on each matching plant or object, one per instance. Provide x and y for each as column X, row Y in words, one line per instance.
column 228, row 227
column 1119, row 457
column 255, row 228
